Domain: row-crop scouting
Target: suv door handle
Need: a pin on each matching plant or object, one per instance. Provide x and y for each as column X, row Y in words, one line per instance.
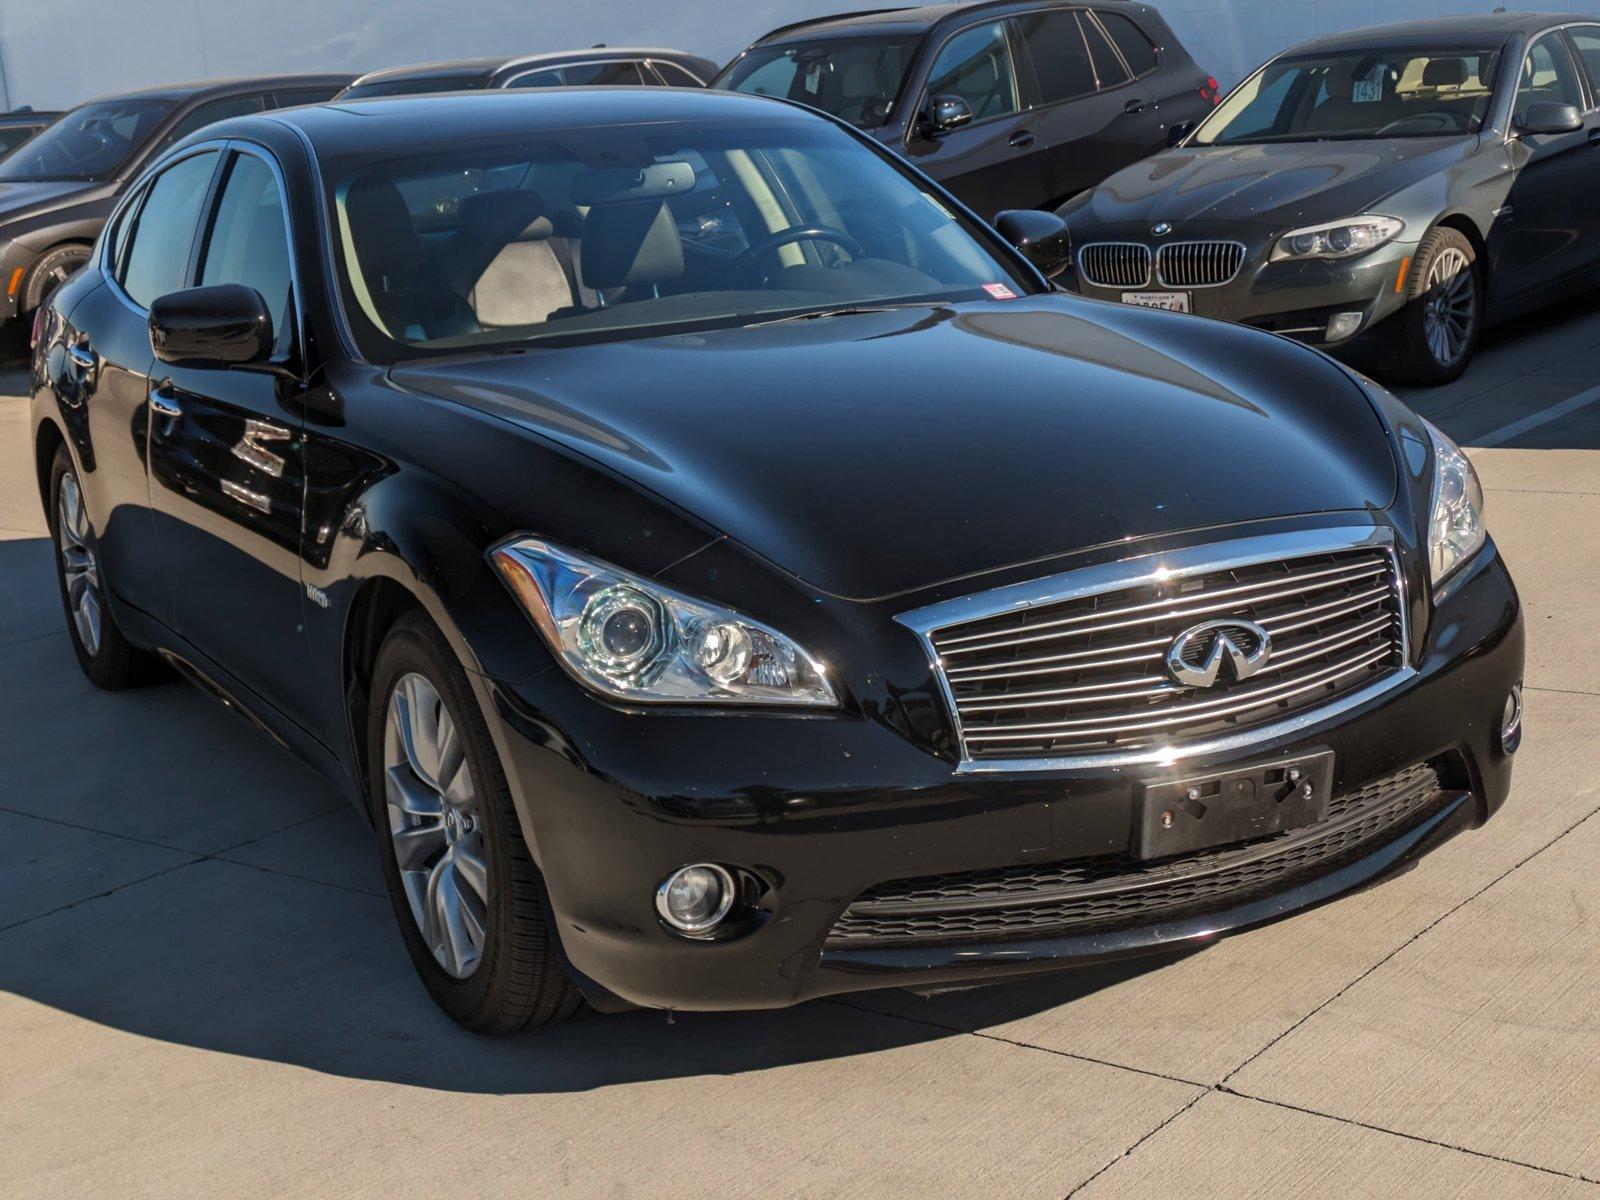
column 81, row 355
column 1133, row 106
column 1021, row 138
column 162, row 403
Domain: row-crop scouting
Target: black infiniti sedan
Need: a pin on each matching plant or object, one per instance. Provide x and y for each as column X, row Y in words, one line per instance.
column 1383, row 194
column 58, row 188
column 814, row 604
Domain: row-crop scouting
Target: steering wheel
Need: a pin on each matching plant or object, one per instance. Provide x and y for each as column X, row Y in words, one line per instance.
column 804, row 233
column 1438, row 119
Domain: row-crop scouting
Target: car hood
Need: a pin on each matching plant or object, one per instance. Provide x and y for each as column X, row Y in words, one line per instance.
column 1282, row 185
column 39, row 195
column 874, row 455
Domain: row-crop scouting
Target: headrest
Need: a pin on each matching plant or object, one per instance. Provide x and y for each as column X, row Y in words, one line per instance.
column 510, row 215
column 859, row 82
column 386, row 241
column 1444, row 72
column 634, row 242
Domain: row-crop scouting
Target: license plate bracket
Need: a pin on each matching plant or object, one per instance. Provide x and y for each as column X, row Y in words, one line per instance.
column 1181, row 816
column 1167, row 301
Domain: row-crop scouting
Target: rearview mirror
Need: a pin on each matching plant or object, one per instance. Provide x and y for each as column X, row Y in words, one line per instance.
column 946, row 113
column 224, row 326
column 1548, row 117
column 1042, row 237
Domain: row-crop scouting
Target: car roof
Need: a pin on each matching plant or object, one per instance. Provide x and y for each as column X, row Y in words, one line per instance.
column 30, row 117
column 915, row 20
column 1480, row 27
column 402, row 122
column 190, row 91
column 471, row 68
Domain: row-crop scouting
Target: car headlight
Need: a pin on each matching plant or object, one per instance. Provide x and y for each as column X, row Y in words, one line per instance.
column 1337, row 239
column 1455, row 520
column 632, row 639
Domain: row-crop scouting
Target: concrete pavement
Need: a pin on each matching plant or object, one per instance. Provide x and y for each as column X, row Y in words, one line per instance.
column 202, row 990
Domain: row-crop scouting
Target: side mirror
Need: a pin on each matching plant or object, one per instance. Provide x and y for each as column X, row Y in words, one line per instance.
column 946, row 113
column 224, row 326
column 1546, row 117
column 1179, row 130
column 1041, row 236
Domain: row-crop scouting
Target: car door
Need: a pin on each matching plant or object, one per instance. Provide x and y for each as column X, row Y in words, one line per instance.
column 109, row 362
column 988, row 162
column 227, row 480
column 1585, row 44
column 1538, row 238
column 1093, row 117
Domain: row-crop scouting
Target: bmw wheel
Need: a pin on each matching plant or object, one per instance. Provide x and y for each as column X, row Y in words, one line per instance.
column 464, row 888
column 107, row 658
column 1444, row 311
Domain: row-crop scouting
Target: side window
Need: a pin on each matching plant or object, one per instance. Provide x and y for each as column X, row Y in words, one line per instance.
column 115, row 235
column 1586, row 39
column 976, row 65
column 1060, row 55
column 535, row 79
column 1108, row 68
column 674, row 75
column 215, row 110
column 609, row 74
column 248, row 242
column 1548, row 77
column 159, row 237
column 302, row 96
column 1136, row 48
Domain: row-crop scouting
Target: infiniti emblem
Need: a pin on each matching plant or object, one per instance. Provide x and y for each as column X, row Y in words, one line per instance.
column 1197, row 654
column 1161, row 229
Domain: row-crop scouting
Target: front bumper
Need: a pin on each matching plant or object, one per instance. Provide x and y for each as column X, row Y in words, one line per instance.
column 820, row 809
column 1292, row 298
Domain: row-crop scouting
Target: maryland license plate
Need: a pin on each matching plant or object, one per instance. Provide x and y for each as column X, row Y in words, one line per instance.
column 1171, row 301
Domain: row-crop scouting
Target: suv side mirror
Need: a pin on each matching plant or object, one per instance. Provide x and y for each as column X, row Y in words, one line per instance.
column 1179, row 130
column 946, row 113
column 223, row 326
column 1547, row 117
column 1041, row 236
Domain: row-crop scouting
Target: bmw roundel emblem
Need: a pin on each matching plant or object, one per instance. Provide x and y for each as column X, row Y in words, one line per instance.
column 1161, row 229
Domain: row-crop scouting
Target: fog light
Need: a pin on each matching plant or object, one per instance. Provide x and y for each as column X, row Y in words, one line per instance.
column 694, row 900
column 1511, row 721
column 1342, row 325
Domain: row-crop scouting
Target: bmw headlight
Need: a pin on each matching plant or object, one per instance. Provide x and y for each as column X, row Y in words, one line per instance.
column 1337, row 239
column 1455, row 521
column 632, row 639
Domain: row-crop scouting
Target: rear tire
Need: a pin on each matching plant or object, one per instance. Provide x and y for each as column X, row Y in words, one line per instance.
column 1439, row 326
column 464, row 888
column 107, row 658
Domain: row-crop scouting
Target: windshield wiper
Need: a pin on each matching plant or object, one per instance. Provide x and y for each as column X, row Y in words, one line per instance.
column 816, row 314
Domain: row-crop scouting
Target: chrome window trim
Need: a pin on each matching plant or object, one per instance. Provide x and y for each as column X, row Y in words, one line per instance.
column 1146, row 569
column 1155, row 260
column 1149, row 265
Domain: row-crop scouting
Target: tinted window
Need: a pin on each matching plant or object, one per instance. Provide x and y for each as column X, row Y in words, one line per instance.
column 533, row 79
column 248, row 242
column 976, row 65
column 1587, row 39
column 413, row 87
column 91, row 142
column 675, row 75
column 1108, row 68
column 303, row 96
column 611, row 74
column 1548, row 77
column 216, row 110
column 1130, row 39
column 11, row 138
column 1060, row 55
column 857, row 80
column 160, row 236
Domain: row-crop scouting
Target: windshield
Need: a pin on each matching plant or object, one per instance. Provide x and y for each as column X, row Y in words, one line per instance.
column 1358, row 94
column 857, row 80
column 608, row 232
column 91, row 142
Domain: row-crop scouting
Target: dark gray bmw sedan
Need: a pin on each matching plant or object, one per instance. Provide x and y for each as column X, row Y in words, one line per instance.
column 1382, row 194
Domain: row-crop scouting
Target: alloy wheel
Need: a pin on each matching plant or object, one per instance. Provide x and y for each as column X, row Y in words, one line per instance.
column 436, row 825
column 79, row 565
column 1449, row 306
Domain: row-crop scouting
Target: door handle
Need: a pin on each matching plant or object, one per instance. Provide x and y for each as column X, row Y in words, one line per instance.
column 162, row 403
column 1133, row 106
column 1021, row 138
column 81, row 355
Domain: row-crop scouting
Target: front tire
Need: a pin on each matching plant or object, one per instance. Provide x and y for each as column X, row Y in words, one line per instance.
column 1438, row 328
column 49, row 271
column 464, row 888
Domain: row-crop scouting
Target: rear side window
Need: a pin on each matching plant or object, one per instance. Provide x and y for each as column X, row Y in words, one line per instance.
column 160, row 236
column 302, row 96
column 1108, row 67
column 976, row 65
column 1136, row 48
column 1586, row 39
column 537, row 79
column 1060, row 55
column 216, row 110
column 605, row 75
column 249, row 242
column 671, row 73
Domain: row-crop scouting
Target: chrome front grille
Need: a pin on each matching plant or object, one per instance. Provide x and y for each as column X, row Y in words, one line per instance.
column 1078, row 671
column 1115, row 264
column 1198, row 264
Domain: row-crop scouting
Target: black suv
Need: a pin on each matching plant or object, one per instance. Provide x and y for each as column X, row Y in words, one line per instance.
column 58, row 188
column 1009, row 104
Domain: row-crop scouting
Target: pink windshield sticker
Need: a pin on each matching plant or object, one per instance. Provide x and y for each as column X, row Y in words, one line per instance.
column 999, row 291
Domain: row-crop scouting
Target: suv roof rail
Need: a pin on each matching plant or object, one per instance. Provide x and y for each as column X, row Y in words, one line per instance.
column 844, row 16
